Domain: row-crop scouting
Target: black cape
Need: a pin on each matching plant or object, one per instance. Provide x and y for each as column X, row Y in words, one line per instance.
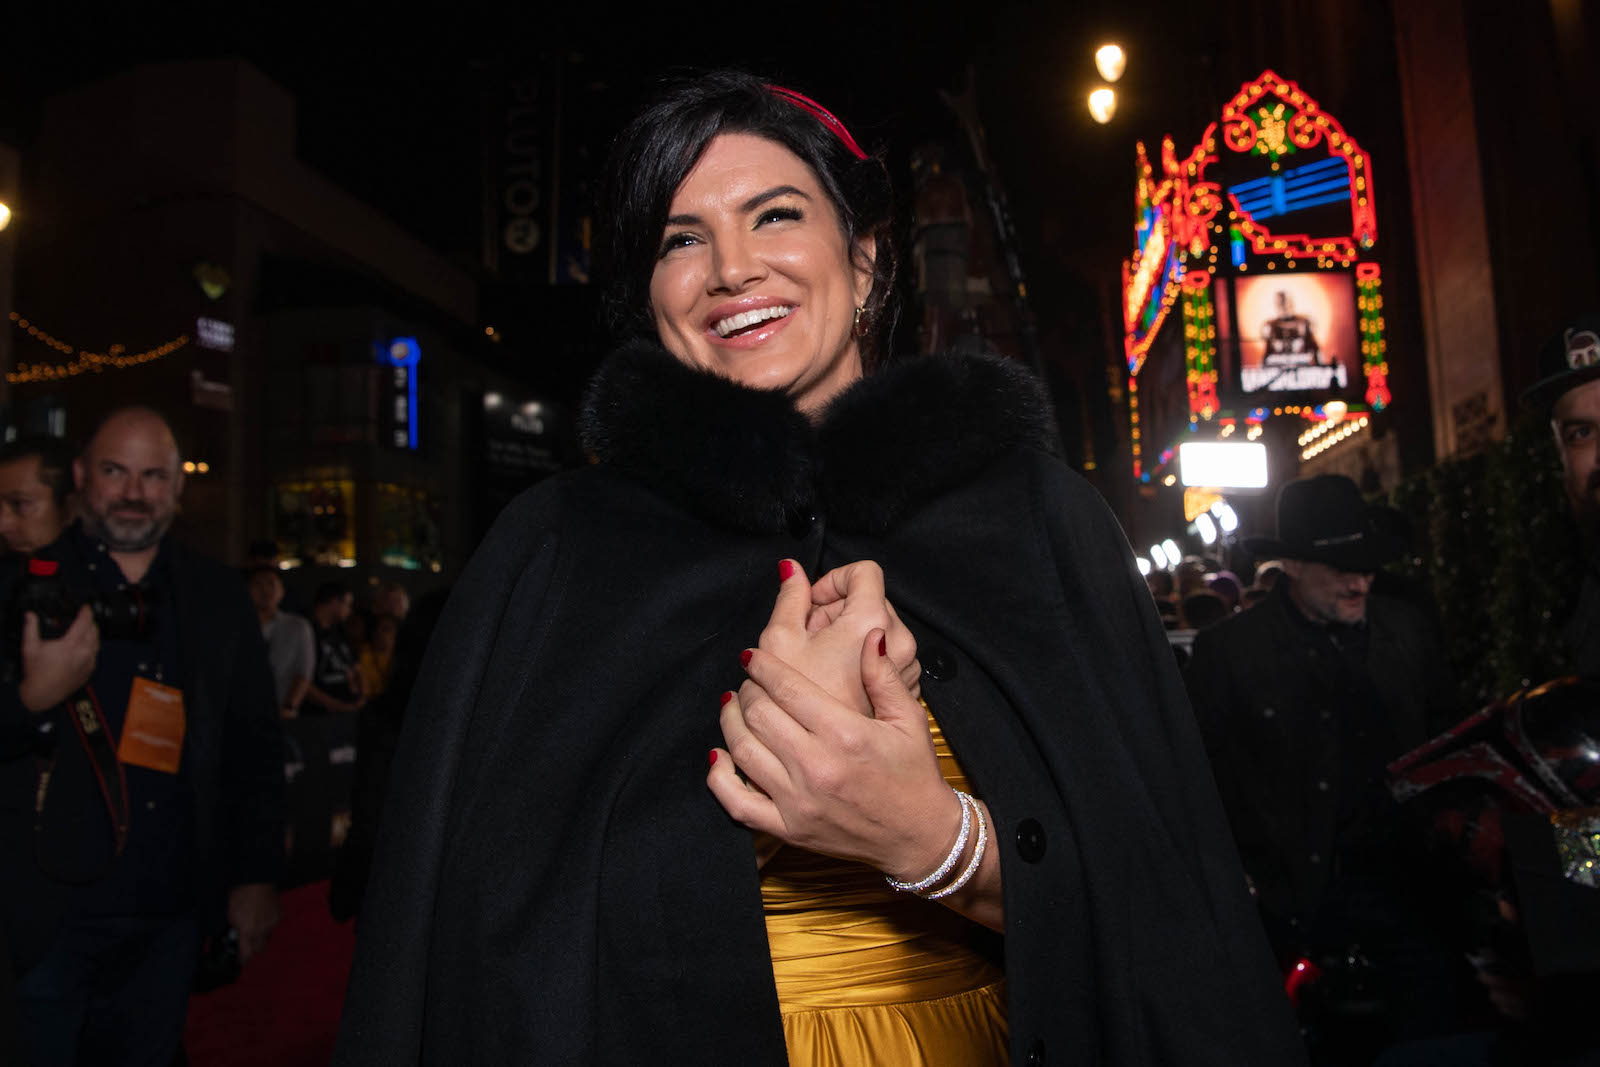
column 554, row 882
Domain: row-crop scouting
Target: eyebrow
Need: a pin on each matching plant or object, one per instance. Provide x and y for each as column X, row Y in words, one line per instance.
column 748, row 206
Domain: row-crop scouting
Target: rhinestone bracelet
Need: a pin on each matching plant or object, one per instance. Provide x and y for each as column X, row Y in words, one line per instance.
column 955, row 852
column 977, row 857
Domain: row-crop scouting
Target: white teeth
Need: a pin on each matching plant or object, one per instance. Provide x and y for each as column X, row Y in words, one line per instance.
column 749, row 318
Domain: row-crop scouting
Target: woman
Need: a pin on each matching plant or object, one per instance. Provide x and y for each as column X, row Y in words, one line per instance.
column 561, row 882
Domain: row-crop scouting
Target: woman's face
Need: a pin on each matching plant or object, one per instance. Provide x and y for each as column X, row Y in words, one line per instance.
column 755, row 280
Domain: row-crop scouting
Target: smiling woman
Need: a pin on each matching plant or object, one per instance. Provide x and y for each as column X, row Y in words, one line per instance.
column 956, row 809
column 756, row 280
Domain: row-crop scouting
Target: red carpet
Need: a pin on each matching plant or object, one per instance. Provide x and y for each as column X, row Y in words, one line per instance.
column 284, row 1009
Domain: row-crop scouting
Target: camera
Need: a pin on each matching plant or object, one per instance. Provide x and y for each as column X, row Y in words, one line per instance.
column 123, row 615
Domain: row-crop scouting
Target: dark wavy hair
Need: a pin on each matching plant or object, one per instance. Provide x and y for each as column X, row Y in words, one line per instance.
column 655, row 152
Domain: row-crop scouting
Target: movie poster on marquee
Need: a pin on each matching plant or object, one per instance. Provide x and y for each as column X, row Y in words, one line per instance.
column 1297, row 333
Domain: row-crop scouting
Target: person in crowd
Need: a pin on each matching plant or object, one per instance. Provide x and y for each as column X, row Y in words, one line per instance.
column 1203, row 608
column 35, row 492
column 377, row 736
column 392, row 600
column 1268, row 571
column 120, row 857
column 336, row 676
column 561, row 877
column 1303, row 701
column 1225, row 584
column 291, row 646
column 377, row 655
column 1568, row 390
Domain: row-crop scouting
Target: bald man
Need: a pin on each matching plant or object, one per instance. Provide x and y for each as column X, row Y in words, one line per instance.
column 152, row 737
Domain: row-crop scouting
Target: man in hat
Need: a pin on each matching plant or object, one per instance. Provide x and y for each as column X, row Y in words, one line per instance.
column 1303, row 700
column 1568, row 391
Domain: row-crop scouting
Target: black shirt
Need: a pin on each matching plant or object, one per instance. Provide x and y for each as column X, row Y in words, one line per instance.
column 155, row 875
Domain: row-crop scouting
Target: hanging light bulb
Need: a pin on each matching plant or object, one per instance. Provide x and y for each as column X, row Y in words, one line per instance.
column 1173, row 554
column 1144, row 566
column 1110, row 61
column 1158, row 556
column 5, row 215
column 1207, row 528
column 1228, row 519
column 1102, row 105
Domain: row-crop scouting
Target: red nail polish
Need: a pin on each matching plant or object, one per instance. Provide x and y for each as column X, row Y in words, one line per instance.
column 745, row 656
column 725, row 698
column 713, row 761
column 785, row 569
column 883, row 646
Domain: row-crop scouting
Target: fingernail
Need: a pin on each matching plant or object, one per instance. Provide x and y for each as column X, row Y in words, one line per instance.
column 785, row 569
column 725, row 698
column 713, row 761
column 745, row 657
column 883, row 646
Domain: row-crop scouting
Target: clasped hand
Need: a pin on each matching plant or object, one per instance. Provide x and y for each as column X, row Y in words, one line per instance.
column 833, row 746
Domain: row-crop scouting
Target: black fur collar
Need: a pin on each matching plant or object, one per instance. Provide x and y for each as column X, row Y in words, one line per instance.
column 747, row 459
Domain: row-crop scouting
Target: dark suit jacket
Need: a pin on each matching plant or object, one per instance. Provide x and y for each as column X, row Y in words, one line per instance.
column 1270, row 700
column 554, row 882
column 232, row 749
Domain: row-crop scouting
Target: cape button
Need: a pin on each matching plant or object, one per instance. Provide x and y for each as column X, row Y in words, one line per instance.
column 938, row 664
column 1030, row 840
column 1035, row 1055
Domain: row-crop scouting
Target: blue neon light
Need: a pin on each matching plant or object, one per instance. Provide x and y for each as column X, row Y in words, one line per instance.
column 405, row 353
column 1316, row 184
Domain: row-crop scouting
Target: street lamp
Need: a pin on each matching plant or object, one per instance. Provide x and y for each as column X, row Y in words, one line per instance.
column 1102, row 105
column 1110, row 61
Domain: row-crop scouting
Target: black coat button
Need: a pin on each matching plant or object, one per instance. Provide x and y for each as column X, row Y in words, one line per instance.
column 1035, row 1055
column 1030, row 840
column 938, row 664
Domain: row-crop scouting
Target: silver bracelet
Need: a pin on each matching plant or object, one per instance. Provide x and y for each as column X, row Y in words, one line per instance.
column 977, row 858
column 950, row 860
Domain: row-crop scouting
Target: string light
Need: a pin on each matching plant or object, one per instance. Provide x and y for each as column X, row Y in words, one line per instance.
column 115, row 357
column 1200, row 343
column 1349, row 430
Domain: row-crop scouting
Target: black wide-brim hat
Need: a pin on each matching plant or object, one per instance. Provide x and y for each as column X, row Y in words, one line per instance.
column 1325, row 520
column 1567, row 360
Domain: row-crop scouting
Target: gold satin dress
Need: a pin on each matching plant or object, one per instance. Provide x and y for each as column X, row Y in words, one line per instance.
column 870, row 976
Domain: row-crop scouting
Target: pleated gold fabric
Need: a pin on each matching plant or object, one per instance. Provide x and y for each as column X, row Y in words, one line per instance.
column 867, row 975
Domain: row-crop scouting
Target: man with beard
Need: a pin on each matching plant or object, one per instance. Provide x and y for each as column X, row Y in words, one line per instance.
column 1569, row 390
column 1302, row 702
column 121, row 857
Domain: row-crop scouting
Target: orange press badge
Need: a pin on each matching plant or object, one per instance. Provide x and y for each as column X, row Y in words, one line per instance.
column 152, row 733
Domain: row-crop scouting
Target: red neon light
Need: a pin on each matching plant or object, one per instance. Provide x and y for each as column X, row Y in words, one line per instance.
column 1306, row 128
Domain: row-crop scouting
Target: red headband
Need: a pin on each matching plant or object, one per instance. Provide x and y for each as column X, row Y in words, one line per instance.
column 825, row 116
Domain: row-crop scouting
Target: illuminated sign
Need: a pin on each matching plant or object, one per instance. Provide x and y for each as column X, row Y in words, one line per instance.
column 1297, row 333
column 403, row 354
column 214, row 334
column 1223, row 464
column 1259, row 236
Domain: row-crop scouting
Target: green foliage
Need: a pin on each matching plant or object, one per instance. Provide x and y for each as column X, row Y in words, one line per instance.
column 1495, row 544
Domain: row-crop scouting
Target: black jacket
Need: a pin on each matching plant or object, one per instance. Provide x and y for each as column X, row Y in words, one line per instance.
column 1274, row 698
column 554, row 882
column 232, row 752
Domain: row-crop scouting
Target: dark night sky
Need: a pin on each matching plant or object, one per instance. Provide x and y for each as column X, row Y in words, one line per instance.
column 389, row 110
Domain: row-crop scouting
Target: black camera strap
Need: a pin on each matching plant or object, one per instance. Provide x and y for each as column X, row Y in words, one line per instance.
column 94, row 735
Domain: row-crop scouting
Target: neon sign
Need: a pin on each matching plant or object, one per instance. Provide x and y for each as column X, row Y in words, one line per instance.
column 403, row 354
column 1261, row 191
